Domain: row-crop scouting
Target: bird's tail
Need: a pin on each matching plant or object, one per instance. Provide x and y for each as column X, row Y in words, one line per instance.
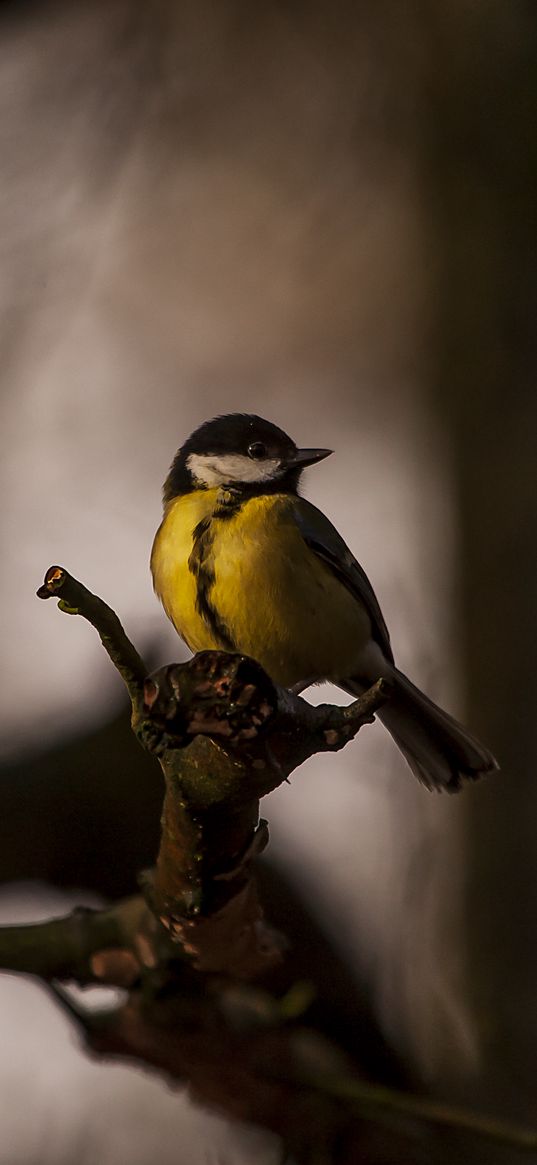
column 440, row 752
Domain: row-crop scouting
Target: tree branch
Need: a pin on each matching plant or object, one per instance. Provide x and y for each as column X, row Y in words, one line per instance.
column 91, row 946
column 225, row 735
column 369, row 1099
column 75, row 599
column 277, row 1073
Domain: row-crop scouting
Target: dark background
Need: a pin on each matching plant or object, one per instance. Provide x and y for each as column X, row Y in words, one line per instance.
column 325, row 214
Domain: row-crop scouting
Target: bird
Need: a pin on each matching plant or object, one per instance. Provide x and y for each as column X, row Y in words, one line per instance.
column 243, row 563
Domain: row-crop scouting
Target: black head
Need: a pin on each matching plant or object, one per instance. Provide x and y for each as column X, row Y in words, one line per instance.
column 242, row 451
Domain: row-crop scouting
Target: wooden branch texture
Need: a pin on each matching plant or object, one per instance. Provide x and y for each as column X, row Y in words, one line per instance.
column 193, row 949
column 225, row 736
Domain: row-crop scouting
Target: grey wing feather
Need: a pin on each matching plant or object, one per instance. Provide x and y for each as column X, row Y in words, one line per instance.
column 322, row 537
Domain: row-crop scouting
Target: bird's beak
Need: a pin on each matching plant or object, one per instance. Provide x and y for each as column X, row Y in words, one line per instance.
column 304, row 457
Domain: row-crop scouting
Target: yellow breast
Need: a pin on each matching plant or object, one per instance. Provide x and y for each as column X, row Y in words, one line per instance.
column 175, row 583
column 265, row 593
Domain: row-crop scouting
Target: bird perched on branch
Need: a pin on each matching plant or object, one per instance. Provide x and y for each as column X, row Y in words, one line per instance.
column 242, row 563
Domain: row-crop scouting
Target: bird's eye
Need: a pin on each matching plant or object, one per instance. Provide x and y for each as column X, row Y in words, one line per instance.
column 257, row 450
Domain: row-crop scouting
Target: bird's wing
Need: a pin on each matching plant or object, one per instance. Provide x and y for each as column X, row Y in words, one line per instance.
column 322, row 537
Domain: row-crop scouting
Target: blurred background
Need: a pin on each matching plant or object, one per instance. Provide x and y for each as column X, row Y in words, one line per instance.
column 324, row 214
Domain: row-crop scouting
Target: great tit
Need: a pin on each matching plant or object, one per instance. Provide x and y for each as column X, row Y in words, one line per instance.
column 242, row 563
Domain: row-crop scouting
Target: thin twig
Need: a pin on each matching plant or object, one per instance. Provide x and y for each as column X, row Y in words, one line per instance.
column 373, row 1101
column 225, row 735
column 68, row 948
column 75, row 599
column 63, row 949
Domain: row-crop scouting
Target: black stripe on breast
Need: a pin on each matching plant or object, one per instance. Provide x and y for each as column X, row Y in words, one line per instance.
column 203, row 571
column 229, row 503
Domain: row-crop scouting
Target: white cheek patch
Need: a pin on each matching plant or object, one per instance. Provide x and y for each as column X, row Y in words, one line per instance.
column 211, row 469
